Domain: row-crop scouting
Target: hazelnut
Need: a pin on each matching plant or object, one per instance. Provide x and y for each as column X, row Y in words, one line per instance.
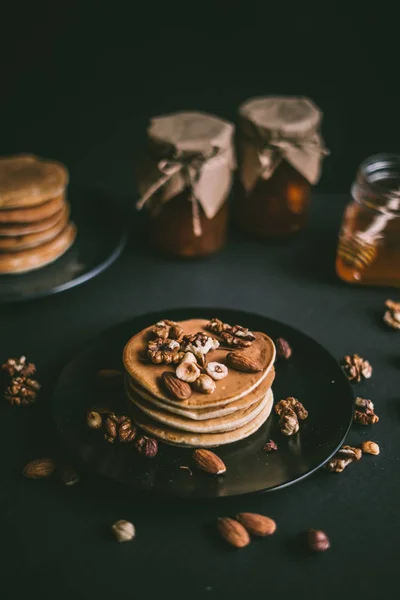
column 147, row 447
column 94, row 420
column 318, row 540
column 283, row 349
column 217, row 370
column 204, row 384
column 124, row 531
column 187, row 371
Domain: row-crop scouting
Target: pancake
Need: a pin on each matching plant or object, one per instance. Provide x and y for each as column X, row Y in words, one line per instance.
column 16, row 229
column 174, row 437
column 233, row 387
column 23, row 242
column 200, row 414
column 216, row 425
column 35, row 213
column 26, row 180
column 28, row 260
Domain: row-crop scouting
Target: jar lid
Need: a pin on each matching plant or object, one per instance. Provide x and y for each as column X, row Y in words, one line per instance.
column 288, row 115
column 186, row 133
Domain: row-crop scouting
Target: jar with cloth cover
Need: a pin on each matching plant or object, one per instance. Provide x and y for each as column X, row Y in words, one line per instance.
column 280, row 152
column 184, row 181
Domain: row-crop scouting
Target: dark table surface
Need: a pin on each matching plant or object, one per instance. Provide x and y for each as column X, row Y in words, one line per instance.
column 56, row 540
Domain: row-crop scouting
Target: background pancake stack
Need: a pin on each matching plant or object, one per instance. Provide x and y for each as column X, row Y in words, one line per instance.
column 35, row 228
column 240, row 403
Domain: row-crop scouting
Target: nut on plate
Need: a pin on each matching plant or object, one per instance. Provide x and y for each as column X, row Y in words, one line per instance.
column 146, row 446
column 289, row 423
column 208, row 461
column 257, row 525
column 187, row 371
column 124, row 531
column 291, row 404
column 204, row 384
column 318, row 541
column 216, row 370
column 233, row 532
column 241, row 362
column 41, row 468
column 270, row 446
column 178, row 389
column 369, row 447
column 283, row 349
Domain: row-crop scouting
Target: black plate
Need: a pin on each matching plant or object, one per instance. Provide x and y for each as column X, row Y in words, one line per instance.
column 102, row 234
column 312, row 375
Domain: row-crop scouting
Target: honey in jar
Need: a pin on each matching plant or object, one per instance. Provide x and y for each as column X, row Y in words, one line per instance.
column 280, row 152
column 184, row 179
column 369, row 240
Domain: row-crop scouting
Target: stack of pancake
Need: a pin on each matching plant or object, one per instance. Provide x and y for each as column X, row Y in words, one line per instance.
column 34, row 216
column 239, row 405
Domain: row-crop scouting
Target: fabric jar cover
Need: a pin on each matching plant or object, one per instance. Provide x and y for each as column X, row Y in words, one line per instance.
column 276, row 128
column 191, row 150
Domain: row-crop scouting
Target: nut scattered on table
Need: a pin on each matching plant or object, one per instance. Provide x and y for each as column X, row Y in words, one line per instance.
column 41, row 468
column 344, row 457
column 14, row 367
column 233, row 532
column 369, row 447
column 283, row 348
column 364, row 413
column 318, row 541
column 146, row 446
column 257, row 525
column 22, row 391
column 124, row 531
column 392, row 315
column 94, row 420
column 356, row 368
column 208, row 461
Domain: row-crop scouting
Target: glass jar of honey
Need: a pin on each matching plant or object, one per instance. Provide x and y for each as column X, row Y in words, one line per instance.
column 369, row 239
column 184, row 180
column 280, row 152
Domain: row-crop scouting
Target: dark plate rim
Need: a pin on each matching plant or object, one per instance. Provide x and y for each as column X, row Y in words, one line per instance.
column 157, row 315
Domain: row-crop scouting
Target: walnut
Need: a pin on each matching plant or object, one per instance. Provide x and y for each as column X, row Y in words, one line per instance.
column 119, row 427
column 217, row 326
column 365, row 418
column 289, row 423
column 238, row 337
column 167, row 329
column 356, row 368
column 146, row 446
column 293, row 404
column 392, row 315
column 365, row 404
column 343, row 457
column 166, row 351
column 18, row 366
column 270, row 446
column 22, row 391
column 199, row 344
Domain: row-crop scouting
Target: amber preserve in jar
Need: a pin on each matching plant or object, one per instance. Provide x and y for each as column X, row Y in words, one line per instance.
column 280, row 152
column 184, row 180
column 369, row 240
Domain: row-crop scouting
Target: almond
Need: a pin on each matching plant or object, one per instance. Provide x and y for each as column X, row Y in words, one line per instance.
column 39, row 468
column 109, row 378
column 257, row 524
column 241, row 362
column 233, row 532
column 179, row 389
column 209, row 462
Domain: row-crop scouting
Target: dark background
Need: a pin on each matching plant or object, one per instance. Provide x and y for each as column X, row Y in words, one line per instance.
column 78, row 82
column 81, row 79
